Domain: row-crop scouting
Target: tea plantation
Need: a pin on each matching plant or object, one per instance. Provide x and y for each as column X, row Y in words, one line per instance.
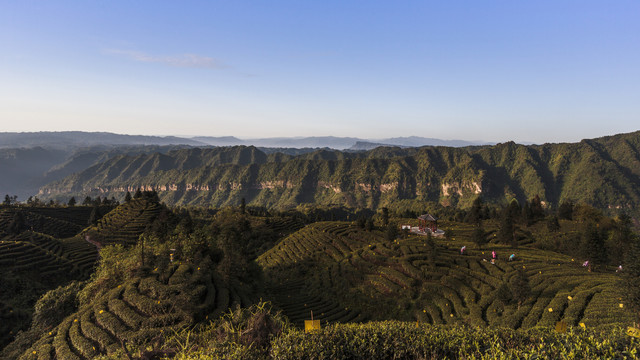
column 45, row 247
column 344, row 273
column 148, row 282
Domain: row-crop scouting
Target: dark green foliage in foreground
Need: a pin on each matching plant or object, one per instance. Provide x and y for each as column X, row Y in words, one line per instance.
column 631, row 276
column 397, row 340
column 55, row 305
column 406, row 340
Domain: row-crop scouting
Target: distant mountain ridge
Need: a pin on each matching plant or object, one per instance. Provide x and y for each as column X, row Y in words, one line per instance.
column 333, row 142
column 604, row 172
column 73, row 139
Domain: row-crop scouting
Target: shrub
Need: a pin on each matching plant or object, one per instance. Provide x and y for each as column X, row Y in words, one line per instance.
column 55, row 305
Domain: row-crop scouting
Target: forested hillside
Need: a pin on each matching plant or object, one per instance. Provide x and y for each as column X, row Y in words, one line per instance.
column 25, row 169
column 603, row 172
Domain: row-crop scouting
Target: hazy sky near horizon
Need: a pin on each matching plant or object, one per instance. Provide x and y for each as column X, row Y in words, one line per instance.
column 539, row 71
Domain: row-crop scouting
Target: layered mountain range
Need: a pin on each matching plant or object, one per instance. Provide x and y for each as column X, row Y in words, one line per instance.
column 603, row 172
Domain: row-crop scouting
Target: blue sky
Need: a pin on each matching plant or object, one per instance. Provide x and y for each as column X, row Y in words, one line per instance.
column 539, row 71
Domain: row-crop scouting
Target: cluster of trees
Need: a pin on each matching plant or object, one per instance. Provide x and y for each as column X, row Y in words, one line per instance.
column 98, row 201
column 8, row 200
column 602, row 240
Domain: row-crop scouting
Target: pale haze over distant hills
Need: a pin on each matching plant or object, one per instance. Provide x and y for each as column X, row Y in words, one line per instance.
column 66, row 139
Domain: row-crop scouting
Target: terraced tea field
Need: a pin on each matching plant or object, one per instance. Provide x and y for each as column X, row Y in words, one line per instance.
column 344, row 273
column 138, row 310
column 124, row 224
column 45, row 222
column 52, row 250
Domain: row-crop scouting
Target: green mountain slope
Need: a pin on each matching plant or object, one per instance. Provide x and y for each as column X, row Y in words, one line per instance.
column 602, row 172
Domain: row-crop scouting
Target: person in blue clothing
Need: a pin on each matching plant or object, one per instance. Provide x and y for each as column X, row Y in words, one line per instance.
column 512, row 257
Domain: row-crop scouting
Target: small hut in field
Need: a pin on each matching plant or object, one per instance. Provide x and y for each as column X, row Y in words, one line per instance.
column 427, row 221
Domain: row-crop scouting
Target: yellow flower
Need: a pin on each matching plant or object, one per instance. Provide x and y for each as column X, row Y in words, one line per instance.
column 424, row 311
column 75, row 320
column 569, row 297
column 550, row 310
column 34, row 352
column 101, row 311
column 582, row 325
column 621, row 305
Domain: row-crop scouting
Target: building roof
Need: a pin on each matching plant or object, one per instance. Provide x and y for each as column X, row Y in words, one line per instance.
column 427, row 217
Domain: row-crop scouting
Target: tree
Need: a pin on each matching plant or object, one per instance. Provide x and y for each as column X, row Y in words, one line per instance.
column 620, row 238
column 553, row 224
column 138, row 194
column 631, row 274
column 368, row 224
column 127, row 197
column 94, row 216
column 537, row 210
column 8, row 200
column 72, row 201
column 520, row 288
column 385, row 216
column 593, row 245
column 392, row 232
column 479, row 237
column 448, row 234
column 514, row 210
column 475, row 213
column 565, row 210
column 87, row 201
column 507, row 231
column 361, row 222
column 243, row 206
